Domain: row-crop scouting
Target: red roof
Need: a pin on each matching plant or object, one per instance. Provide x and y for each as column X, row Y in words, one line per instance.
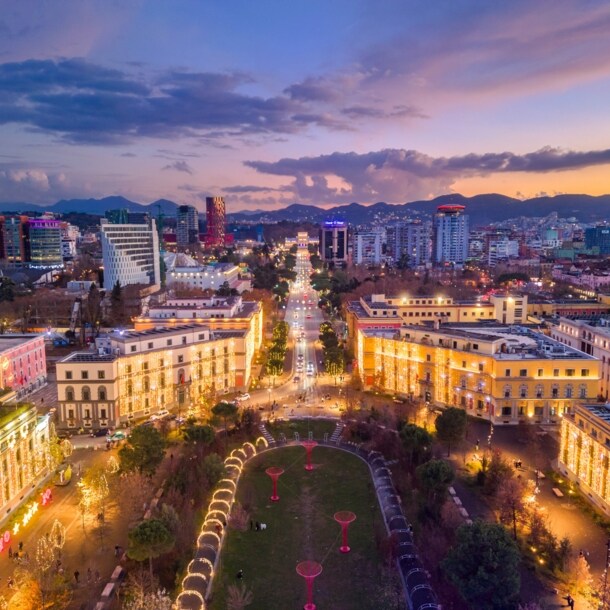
column 451, row 208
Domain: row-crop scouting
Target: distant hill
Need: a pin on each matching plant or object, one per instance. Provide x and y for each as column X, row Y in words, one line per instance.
column 482, row 209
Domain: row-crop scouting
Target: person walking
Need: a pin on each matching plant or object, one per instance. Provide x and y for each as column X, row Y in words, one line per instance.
column 89, row 576
column 76, row 575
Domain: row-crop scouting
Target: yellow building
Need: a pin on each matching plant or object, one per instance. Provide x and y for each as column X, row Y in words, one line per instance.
column 384, row 312
column 584, row 455
column 24, row 454
column 503, row 374
column 217, row 313
column 139, row 373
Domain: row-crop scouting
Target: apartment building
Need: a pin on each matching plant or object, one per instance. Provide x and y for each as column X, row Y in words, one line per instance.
column 450, row 235
column 217, row 313
column 366, row 248
column 134, row 374
column 584, row 453
column 504, row 374
column 23, row 365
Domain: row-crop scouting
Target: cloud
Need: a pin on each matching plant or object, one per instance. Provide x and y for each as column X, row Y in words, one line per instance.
column 82, row 102
column 397, row 175
column 250, row 188
column 179, row 166
column 313, row 90
column 370, row 112
column 33, row 185
column 128, row 155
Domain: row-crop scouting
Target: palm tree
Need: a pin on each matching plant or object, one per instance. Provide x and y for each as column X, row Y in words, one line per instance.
column 238, row 597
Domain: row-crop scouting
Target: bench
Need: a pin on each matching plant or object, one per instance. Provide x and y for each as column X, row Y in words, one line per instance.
column 558, row 492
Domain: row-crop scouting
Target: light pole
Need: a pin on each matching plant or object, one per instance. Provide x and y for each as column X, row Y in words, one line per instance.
column 269, row 393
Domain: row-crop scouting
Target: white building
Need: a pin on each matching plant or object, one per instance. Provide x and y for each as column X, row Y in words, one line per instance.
column 187, row 226
column 501, row 249
column 183, row 272
column 450, row 235
column 69, row 238
column 367, row 247
column 130, row 253
column 410, row 240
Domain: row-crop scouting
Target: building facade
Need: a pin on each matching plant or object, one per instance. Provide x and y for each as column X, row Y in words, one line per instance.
column 333, row 242
column 45, row 244
column 499, row 373
column 137, row 373
column 584, row 453
column 25, row 458
column 450, row 244
column 215, row 215
column 187, row 226
column 367, row 247
column 409, row 243
column 131, row 254
column 23, row 365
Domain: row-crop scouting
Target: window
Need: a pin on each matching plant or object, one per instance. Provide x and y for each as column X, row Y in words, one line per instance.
column 87, row 414
column 507, row 411
column 463, row 361
column 103, row 414
column 183, row 340
column 480, row 368
column 427, row 357
column 521, row 410
column 570, row 372
column 569, row 391
column 540, row 372
column 169, row 342
column 128, row 369
column 506, row 391
column 161, row 363
column 555, row 372
column 130, row 389
column 84, row 374
column 150, row 345
column 101, row 374
column 145, row 366
column 70, row 413
column 475, row 346
column 555, row 392
column 134, row 348
column 507, row 373
column 86, row 393
column 582, row 391
column 201, row 336
column 68, row 374
column 180, row 358
column 146, row 384
column 584, row 372
column 101, row 393
column 538, row 391
column 523, row 391
column 523, row 373
column 463, row 382
column 70, row 394
column 538, row 411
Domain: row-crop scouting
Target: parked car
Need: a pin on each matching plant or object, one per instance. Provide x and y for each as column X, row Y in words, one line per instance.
column 242, row 397
column 100, row 432
column 119, row 435
column 159, row 414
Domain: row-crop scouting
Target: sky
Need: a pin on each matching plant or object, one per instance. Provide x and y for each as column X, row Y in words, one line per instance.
column 320, row 102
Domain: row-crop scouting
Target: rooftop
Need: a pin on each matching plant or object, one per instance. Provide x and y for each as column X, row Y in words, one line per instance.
column 10, row 341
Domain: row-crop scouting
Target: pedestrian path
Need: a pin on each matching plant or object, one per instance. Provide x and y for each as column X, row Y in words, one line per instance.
column 266, row 434
column 337, row 432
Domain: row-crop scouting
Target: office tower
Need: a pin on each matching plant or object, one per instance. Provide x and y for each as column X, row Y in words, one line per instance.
column 408, row 243
column 187, row 226
column 598, row 237
column 124, row 216
column 215, row 218
column 13, row 239
column 333, row 242
column 367, row 246
column 450, row 235
column 130, row 253
column 43, row 242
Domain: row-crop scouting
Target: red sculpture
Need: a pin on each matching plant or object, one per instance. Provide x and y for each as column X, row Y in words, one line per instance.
column 309, row 445
column 274, row 472
column 309, row 570
column 344, row 517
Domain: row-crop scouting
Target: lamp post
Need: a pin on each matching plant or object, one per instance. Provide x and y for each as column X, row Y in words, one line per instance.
column 274, row 472
column 309, row 570
column 344, row 518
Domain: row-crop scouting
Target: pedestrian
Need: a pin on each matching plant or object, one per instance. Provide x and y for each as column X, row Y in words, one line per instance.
column 240, row 574
column 258, row 526
column 21, row 546
column 10, row 582
column 89, row 575
column 116, row 550
column 76, row 575
column 251, row 524
column 10, row 552
column 97, row 575
column 477, row 445
column 171, row 457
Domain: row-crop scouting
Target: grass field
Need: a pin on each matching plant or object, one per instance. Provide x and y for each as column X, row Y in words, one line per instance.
column 302, row 426
column 301, row 526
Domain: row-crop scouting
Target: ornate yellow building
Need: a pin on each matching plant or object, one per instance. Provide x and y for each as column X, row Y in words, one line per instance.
column 503, row 374
column 142, row 372
column 584, row 455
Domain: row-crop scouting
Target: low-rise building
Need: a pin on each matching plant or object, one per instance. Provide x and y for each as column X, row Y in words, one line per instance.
column 138, row 373
column 217, row 313
column 23, row 365
column 24, row 453
column 185, row 273
column 584, row 453
column 499, row 373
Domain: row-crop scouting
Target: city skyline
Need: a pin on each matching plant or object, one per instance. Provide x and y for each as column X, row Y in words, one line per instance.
column 272, row 104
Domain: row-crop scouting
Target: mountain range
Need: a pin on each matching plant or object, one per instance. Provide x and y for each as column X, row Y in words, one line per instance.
column 482, row 209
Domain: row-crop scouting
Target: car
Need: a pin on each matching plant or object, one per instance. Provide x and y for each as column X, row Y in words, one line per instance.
column 242, row 397
column 99, row 432
column 296, row 379
column 119, row 435
column 159, row 414
column 308, row 316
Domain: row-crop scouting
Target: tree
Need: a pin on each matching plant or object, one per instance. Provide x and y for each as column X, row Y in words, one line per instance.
column 149, row 540
column 451, row 427
column 214, row 468
column 434, row 478
column 484, row 566
column 227, row 411
column 199, row 434
column 238, row 597
column 510, row 498
column 416, row 442
column 159, row 600
column 143, row 451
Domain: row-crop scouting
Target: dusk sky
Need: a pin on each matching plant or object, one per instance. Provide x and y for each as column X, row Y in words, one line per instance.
column 320, row 102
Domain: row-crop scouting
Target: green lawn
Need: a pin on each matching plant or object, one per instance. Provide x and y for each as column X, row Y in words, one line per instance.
column 301, row 526
column 303, row 427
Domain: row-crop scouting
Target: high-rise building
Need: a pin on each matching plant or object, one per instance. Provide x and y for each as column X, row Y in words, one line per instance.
column 598, row 237
column 13, row 239
column 44, row 242
column 333, row 242
column 130, row 253
column 450, row 235
column 367, row 247
column 215, row 219
column 187, row 226
column 408, row 243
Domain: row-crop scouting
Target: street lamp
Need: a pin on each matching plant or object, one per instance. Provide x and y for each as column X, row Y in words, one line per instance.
column 269, row 393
